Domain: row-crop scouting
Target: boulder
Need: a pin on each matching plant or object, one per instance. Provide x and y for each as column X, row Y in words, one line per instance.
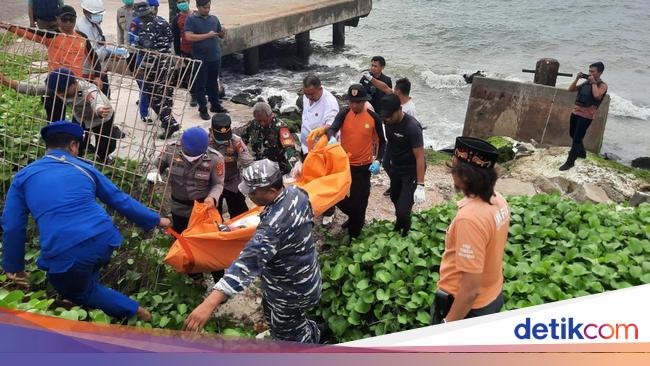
column 640, row 196
column 589, row 192
column 641, row 163
column 247, row 97
column 504, row 147
column 566, row 186
column 275, row 101
column 545, row 185
column 514, row 187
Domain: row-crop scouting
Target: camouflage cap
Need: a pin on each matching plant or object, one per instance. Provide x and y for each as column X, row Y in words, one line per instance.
column 260, row 174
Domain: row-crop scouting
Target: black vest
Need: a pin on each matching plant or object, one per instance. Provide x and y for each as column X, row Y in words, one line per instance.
column 585, row 97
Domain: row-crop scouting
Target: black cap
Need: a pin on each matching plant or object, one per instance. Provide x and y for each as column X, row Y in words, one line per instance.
column 357, row 93
column 476, row 152
column 202, row 2
column 65, row 10
column 221, row 126
column 389, row 104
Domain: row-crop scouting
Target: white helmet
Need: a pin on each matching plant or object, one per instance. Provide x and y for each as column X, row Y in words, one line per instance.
column 93, row 6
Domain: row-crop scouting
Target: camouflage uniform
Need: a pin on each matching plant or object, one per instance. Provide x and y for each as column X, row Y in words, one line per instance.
column 275, row 142
column 191, row 181
column 159, row 72
column 282, row 253
column 236, row 156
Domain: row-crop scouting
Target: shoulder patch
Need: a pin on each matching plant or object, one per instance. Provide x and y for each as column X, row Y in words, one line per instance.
column 220, row 167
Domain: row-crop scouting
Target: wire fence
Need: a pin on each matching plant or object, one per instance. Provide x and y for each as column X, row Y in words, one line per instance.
column 145, row 91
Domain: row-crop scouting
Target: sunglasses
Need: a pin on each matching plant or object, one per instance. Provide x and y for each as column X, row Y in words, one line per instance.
column 68, row 19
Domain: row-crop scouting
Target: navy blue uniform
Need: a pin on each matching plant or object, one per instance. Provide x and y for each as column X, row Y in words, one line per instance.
column 283, row 254
column 77, row 236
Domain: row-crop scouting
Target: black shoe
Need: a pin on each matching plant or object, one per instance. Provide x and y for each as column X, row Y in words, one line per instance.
column 204, row 115
column 582, row 154
column 387, row 193
column 566, row 166
column 218, row 109
column 169, row 131
column 193, row 102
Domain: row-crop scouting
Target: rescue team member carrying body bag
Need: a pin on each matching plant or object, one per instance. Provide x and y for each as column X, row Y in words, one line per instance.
column 471, row 269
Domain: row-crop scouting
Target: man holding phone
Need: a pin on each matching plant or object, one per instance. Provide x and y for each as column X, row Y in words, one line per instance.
column 590, row 95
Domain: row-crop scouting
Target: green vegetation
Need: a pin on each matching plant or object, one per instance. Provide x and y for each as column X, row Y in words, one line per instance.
column 434, row 157
column 557, row 249
column 504, row 148
column 639, row 173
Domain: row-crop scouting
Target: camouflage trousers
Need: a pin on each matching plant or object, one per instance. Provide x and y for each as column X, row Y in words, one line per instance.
column 159, row 86
column 288, row 320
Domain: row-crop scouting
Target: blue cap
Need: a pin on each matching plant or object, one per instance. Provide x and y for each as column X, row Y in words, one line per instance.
column 60, row 79
column 153, row 3
column 62, row 127
column 195, row 141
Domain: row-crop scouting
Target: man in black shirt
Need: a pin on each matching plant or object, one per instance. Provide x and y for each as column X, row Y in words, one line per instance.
column 377, row 65
column 406, row 154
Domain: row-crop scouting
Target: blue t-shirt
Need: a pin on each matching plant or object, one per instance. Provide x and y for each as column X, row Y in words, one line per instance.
column 208, row 49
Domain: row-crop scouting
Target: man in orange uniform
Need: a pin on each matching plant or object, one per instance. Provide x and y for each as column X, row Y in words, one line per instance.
column 67, row 49
column 471, row 271
column 362, row 137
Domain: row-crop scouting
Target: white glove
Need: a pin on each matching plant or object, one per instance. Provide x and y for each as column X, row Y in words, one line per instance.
column 366, row 75
column 154, row 177
column 419, row 195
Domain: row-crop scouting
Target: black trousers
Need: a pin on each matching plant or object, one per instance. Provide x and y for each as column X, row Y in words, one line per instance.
column 578, row 127
column 206, row 84
column 442, row 304
column 106, row 136
column 236, row 202
column 356, row 203
column 402, row 188
column 54, row 107
column 179, row 224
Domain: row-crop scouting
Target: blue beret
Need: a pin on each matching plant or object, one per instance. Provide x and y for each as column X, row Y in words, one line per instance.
column 153, row 3
column 60, row 79
column 195, row 141
column 62, row 127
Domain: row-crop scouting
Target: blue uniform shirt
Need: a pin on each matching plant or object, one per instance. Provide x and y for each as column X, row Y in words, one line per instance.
column 61, row 196
column 208, row 49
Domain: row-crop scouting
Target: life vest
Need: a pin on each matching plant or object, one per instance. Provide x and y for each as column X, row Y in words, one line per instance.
column 585, row 97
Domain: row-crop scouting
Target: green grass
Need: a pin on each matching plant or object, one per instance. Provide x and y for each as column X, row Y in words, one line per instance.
column 434, row 157
column 7, row 39
column 642, row 174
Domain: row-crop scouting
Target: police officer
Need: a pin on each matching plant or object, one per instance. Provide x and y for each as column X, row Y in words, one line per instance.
column 236, row 156
column 471, row 270
column 77, row 235
column 195, row 174
column 281, row 252
column 590, row 95
column 158, row 68
column 362, row 137
column 270, row 138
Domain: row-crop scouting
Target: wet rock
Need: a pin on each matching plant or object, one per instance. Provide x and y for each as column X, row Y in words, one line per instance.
column 641, row 163
column 640, row 196
column 275, row 101
column 504, row 147
column 247, row 97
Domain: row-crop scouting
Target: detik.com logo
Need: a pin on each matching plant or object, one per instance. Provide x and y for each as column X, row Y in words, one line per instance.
column 569, row 328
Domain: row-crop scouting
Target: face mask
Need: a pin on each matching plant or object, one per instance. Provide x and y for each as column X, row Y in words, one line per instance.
column 191, row 159
column 127, row 2
column 183, row 6
column 96, row 18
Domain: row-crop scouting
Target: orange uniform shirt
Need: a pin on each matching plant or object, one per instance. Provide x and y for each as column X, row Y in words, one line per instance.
column 361, row 136
column 475, row 243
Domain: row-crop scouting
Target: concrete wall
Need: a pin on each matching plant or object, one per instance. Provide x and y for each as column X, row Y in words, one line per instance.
column 521, row 110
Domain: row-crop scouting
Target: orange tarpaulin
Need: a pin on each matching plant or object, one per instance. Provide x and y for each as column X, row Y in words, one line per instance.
column 203, row 248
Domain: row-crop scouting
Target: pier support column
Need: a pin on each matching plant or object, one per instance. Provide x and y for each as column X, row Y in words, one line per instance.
column 303, row 44
column 251, row 60
column 338, row 36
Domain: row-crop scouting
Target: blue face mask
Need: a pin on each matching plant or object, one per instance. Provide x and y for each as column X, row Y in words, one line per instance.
column 96, row 18
column 183, row 6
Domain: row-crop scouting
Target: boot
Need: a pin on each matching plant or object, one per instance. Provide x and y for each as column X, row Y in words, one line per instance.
column 582, row 154
column 570, row 161
column 168, row 132
column 193, row 102
column 204, row 114
column 218, row 109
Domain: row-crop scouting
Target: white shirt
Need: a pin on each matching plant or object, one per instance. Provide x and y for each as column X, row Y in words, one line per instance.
column 318, row 114
column 409, row 108
column 95, row 36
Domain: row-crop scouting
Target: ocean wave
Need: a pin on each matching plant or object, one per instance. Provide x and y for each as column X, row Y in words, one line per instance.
column 448, row 81
column 288, row 98
column 622, row 107
column 334, row 61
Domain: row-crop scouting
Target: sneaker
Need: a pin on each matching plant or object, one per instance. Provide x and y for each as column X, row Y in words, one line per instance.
column 193, row 102
column 148, row 120
column 204, row 115
column 218, row 109
column 327, row 220
column 387, row 192
column 566, row 166
column 169, row 131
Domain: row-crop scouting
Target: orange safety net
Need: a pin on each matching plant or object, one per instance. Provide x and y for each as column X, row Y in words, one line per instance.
column 203, row 248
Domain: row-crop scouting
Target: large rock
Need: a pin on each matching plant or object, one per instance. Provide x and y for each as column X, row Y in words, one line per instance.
column 641, row 163
column 514, row 187
column 504, row 147
column 640, row 197
column 545, row 185
column 589, row 192
column 275, row 101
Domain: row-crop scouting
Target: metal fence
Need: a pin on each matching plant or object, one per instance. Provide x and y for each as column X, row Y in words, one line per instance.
column 134, row 76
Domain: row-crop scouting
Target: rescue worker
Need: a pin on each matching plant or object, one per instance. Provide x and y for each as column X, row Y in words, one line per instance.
column 236, row 156
column 77, row 235
column 362, row 137
column 590, row 95
column 377, row 65
column 90, row 108
column 158, row 69
column 89, row 25
column 270, row 138
column 124, row 19
column 407, row 162
column 196, row 173
column 67, row 49
column 471, row 269
column 281, row 252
